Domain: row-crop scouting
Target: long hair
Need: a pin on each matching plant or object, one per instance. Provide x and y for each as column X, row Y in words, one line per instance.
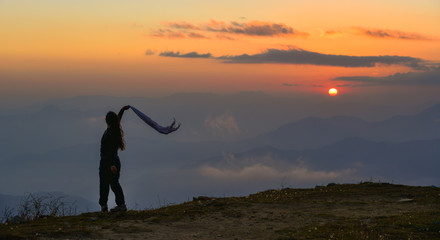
column 115, row 124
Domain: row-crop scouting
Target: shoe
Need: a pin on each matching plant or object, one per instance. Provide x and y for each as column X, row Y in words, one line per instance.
column 119, row 208
column 104, row 208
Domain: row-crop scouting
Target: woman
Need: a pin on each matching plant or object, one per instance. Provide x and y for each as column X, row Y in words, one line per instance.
column 110, row 165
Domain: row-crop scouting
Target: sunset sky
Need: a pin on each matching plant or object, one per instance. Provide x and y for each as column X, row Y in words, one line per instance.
column 237, row 75
column 51, row 48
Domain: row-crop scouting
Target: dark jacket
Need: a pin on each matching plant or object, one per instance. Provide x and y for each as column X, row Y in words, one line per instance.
column 110, row 142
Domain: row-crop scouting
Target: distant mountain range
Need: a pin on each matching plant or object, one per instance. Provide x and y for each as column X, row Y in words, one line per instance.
column 316, row 132
column 401, row 148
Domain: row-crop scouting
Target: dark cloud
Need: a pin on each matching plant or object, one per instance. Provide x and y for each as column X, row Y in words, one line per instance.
column 182, row 25
column 167, row 33
column 427, row 78
column 225, row 36
column 196, row 35
column 292, row 85
column 150, row 52
column 383, row 33
column 344, row 85
column 301, row 85
column 186, row 55
column 299, row 56
column 254, row 28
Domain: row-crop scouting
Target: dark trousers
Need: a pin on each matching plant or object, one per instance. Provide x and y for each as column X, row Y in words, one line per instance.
column 109, row 179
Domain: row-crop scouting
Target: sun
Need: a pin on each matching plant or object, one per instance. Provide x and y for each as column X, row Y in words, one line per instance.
column 333, row 91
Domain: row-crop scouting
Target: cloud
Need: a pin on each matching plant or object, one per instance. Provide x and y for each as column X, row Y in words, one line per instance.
column 167, row 33
column 302, row 85
column 150, row 52
column 260, row 171
column 344, row 85
column 427, row 78
column 393, row 34
column 223, row 125
column 222, row 29
column 95, row 120
column 196, row 35
column 292, row 85
column 300, row 56
column 182, row 25
column 225, row 36
column 267, row 167
column 186, row 55
column 254, row 28
column 330, row 33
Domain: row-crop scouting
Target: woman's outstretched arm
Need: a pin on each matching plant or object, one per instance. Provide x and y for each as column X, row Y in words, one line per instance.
column 121, row 112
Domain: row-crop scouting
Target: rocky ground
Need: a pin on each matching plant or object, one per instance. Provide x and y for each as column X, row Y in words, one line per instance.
column 336, row 211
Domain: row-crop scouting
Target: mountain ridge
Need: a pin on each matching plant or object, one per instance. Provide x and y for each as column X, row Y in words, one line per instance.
column 313, row 132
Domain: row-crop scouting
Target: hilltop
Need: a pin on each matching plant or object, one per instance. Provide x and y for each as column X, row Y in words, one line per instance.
column 336, row 211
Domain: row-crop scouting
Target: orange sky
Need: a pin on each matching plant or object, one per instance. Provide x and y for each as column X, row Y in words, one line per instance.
column 68, row 48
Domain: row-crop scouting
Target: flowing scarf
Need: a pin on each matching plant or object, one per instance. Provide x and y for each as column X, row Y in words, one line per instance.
column 164, row 130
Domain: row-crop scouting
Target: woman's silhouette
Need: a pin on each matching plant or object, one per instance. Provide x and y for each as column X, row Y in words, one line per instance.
column 110, row 166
